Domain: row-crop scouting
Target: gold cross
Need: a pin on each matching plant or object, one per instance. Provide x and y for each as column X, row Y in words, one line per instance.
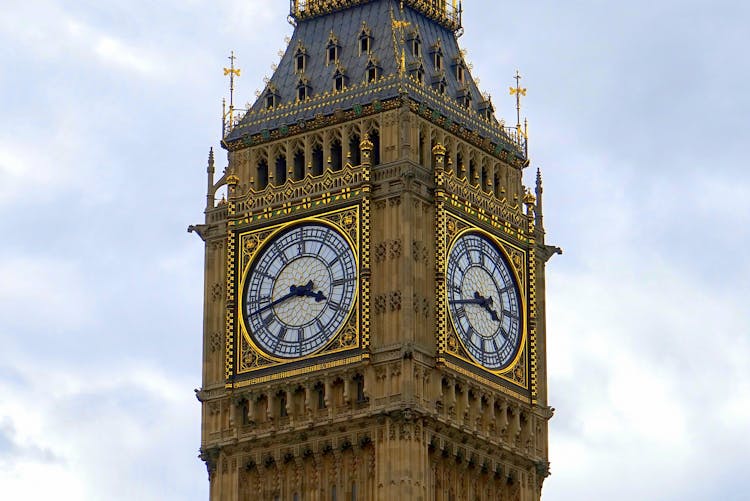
column 232, row 72
column 518, row 91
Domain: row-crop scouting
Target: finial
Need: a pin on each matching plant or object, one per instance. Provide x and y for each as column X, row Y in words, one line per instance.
column 529, row 199
column 233, row 180
column 518, row 91
column 366, row 144
column 539, row 192
column 232, row 72
column 211, row 160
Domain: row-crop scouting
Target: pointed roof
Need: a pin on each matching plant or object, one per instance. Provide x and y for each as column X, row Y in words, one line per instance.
column 402, row 39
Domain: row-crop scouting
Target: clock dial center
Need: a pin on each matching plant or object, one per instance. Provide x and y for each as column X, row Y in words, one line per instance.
column 301, row 309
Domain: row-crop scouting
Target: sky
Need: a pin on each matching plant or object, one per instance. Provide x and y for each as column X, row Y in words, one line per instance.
column 638, row 116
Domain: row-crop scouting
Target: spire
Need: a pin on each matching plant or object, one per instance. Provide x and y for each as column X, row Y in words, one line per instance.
column 539, row 192
column 396, row 62
column 210, row 191
column 228, row 116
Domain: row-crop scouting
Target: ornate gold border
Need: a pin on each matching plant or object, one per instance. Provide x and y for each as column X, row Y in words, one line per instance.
column 531, row 273
column 328, row 364
column 522, row 292
column 244, row 249
column 260, row 238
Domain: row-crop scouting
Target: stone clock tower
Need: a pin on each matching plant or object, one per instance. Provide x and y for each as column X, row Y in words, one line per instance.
column 374, row 279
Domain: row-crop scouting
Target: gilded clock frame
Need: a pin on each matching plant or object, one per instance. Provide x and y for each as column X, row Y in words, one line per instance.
column 520, row 285
column 518, row 377
column 249, row 363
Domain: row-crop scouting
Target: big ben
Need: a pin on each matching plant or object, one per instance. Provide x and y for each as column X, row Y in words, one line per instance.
column 374, row 313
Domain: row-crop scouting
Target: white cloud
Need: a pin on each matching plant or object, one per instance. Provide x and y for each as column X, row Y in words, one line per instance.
column 52, row 32
column 99, row 428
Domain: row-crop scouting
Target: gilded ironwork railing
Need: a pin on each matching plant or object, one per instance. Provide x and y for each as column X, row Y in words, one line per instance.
column 445, row 12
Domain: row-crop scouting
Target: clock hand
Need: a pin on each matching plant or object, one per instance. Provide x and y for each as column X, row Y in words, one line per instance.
column 467, row 301
column 478, row 300
column 486, row 303
column 488, row 306
column 306, row 291
column 293, row 291
column 493, row 313
column 482, row 301
column 319, row 296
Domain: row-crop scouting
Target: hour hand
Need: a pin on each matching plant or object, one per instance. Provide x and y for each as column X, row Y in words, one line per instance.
column 487, row 305
column 318, row 296
column 493, row 313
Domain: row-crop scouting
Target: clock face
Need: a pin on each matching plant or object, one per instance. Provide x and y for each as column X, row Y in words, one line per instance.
column 484, row 301
column 300, row 290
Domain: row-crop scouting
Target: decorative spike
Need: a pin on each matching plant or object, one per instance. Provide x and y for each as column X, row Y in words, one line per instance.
column 210, row 190
column 539, row 193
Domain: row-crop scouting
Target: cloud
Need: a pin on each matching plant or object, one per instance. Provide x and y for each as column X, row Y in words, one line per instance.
column 647, row 361
column 54, row 33
column 90, row 434
column 12, row 452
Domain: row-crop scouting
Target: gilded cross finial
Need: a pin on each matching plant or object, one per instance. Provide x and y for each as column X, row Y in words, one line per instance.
column 231, row 72
column 518, row 91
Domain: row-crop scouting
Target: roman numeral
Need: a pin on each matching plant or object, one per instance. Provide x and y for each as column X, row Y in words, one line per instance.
column 335, row 306
column 504, row 335
column 267, row 320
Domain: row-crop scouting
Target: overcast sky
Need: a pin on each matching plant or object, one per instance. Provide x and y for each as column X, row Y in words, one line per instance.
column 639, row 120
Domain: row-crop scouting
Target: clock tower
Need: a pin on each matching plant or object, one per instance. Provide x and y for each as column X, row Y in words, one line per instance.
column 374, row 313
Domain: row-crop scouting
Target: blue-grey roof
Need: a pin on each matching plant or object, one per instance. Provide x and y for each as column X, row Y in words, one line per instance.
column 390, row 41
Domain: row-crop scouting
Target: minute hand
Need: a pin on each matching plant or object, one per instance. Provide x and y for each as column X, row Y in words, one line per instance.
column 480, row 302
column 293, row 291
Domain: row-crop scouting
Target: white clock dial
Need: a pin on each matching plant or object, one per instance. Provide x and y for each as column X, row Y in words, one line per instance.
column 484, row 301
column 300, row 291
